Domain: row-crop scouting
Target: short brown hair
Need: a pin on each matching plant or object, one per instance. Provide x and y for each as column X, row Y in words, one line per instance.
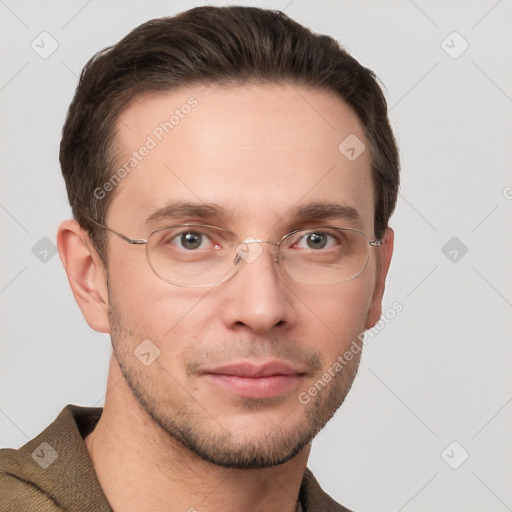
column 213, row 45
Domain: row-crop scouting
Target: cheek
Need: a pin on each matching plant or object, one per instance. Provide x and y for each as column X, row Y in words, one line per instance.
column 148, row 306
column 339, row 314
column 172, row 317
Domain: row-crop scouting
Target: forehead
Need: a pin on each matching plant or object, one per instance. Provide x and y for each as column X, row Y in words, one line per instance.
column 257, row 151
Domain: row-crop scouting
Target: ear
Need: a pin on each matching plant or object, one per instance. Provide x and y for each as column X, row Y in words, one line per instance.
column 385, row 251
column 87, row 275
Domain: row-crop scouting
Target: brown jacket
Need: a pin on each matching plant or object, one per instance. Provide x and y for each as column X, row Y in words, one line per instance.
column 54, row 473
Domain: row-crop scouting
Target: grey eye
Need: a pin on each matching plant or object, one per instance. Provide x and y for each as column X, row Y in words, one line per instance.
column 316, row 240
column 191, row 240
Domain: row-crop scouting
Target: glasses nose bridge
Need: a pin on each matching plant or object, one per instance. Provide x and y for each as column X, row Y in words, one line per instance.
column 248, row 241
column 242, row 253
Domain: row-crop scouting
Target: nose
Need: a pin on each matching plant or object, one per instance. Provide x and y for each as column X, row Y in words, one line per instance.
column 257, row 296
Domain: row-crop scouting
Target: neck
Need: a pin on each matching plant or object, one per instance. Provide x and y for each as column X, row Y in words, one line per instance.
column 142, row 468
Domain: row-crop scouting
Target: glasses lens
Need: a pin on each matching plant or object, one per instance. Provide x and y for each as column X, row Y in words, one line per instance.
column 325, row 256
column 197, row 255
column 192, row 255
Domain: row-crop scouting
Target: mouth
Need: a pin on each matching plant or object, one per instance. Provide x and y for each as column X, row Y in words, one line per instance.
column 256, row 381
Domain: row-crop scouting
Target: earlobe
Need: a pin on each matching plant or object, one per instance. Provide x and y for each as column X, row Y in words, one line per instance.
column 87, row 275
column 384, row 260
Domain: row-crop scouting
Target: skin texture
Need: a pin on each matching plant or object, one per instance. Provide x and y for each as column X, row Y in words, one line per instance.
column 170, row 439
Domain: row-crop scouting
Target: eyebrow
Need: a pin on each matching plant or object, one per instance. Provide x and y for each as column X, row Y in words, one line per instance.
column 316, row 211
column 321, row 211
column 177, row 209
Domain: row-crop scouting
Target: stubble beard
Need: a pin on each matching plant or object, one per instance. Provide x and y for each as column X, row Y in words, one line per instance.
column 199, row 431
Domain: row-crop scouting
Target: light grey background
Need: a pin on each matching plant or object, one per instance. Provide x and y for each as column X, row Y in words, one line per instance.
column 439, row 372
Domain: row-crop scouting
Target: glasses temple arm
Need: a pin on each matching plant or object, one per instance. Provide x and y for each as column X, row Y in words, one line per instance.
column 120, row 235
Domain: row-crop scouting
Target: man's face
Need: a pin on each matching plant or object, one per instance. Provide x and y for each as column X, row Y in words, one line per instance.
column 257, row 153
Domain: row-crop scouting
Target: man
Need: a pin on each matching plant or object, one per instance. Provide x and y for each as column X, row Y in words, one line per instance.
column 231, row 176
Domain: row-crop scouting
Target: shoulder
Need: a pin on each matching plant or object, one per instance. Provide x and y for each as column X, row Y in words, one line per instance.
column 52, row 471
column 18, row 490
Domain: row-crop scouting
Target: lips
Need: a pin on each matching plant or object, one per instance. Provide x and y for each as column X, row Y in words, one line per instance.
column 255, row 381
column 254, row 371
